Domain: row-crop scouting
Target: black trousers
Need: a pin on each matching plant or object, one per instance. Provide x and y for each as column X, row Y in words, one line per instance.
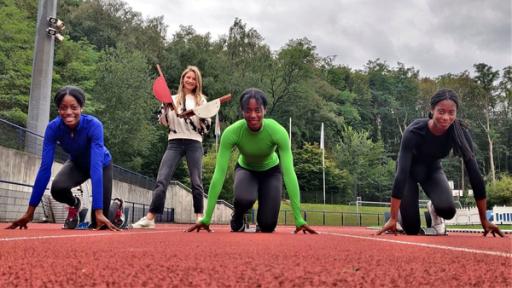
column 176, row 149
column 266, row 187
column 432, row 179
column 71, row 176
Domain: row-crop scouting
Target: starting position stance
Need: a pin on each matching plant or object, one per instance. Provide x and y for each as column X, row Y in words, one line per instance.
column 424, row 143
column 259, row 172
column 81, row 136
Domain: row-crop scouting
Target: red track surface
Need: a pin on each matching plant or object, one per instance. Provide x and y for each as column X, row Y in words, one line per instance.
column 45, row 255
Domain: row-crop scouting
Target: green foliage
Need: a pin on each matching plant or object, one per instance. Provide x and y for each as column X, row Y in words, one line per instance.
column 16, row 48
column 371, row 170
column 122, row 89
column 75, row 63
column 209, row 162
column 308, row 167
column 500, row 193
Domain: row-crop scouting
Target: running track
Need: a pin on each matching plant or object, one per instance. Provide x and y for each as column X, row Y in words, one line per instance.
column 47, row 256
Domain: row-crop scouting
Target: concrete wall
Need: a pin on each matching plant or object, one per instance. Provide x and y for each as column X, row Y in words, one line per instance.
column 21, row 167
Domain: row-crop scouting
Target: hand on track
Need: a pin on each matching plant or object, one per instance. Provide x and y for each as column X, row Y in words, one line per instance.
column 101, row 220
column 21, row 223
column 489, row 227
column 389, row 226
column 305, row 229
column 198, row 227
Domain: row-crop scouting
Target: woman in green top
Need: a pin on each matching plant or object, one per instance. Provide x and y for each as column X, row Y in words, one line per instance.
column 258, row 170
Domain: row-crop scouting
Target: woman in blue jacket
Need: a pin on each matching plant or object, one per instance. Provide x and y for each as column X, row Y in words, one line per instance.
column 81, row 136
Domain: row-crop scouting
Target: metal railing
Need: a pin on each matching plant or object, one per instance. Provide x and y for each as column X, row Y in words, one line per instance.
column 326, row 218
column 219, row 201
column 13, row 203
column 15, row 137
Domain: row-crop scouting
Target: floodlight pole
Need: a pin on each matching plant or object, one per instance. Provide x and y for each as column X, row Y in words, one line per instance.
column 42, row 68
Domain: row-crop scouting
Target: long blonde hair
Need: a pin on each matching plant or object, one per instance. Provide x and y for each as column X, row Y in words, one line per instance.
column 198, row 91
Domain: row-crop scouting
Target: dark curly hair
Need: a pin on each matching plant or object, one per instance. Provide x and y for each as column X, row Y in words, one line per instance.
column 252, row 93
column 72, row 91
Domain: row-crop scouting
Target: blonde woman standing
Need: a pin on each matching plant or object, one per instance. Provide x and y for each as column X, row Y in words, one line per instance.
column 185, row 139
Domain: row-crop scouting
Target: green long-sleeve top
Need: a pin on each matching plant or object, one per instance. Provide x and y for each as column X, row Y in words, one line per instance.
column 257, row 153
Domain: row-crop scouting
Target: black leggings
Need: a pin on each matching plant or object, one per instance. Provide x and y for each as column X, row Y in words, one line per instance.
column 71, row 176
column 266, row 187
column 435, row 184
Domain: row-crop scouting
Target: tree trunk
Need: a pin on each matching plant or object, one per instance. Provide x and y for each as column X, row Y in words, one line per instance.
column 491, row 156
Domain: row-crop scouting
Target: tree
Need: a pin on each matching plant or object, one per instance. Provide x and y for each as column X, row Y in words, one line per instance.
column 406, row 94
column 501, row 192
column 122, row 89
column 486, row 77
column 109, row 23
column 308, row 167
column 371, row 171
column 16, row 46
column 504, row 123
column 293, row 66
column 75, row 63
column 209, row 162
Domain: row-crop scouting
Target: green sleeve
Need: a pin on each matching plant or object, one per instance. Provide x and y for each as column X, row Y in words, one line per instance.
column 289, row 176
column 221, row 167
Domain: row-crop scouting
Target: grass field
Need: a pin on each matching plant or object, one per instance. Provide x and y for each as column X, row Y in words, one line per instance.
column 349, row 215
column 336, row 214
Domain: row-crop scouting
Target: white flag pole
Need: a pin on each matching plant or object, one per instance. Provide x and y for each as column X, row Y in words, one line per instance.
column 290, row 128
column 217, row 132
column 323, row 157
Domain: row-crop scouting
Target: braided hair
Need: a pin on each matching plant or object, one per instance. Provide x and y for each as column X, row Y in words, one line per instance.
column 461, row 147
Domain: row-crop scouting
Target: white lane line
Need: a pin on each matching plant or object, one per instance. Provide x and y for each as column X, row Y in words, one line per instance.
column 468, row 250
column 83, row 235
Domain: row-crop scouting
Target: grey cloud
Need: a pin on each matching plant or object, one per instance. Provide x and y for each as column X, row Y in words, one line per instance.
column 434, row 36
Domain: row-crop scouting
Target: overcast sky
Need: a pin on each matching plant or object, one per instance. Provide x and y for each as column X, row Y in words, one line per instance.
column 436, row 37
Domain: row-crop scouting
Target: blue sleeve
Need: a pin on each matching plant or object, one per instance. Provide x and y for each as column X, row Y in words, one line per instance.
column 45, row 170
column 97, row 154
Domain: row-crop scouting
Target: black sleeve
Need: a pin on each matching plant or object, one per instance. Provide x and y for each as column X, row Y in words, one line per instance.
column 475, row 178
column 403, row 163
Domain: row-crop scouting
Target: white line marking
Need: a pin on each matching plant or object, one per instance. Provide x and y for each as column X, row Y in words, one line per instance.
column 83, row 235
column 469, row 250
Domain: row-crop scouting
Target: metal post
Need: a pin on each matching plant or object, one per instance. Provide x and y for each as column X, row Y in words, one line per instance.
column 40, row 88
column 133, row 212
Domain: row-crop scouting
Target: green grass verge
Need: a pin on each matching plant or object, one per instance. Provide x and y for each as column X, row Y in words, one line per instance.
column 336, row 215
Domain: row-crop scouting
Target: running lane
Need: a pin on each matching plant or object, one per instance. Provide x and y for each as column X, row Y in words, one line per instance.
column 44, row 255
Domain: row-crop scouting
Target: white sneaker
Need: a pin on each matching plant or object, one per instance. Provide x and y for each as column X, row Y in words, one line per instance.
column 143, row 223
column 437, row 222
